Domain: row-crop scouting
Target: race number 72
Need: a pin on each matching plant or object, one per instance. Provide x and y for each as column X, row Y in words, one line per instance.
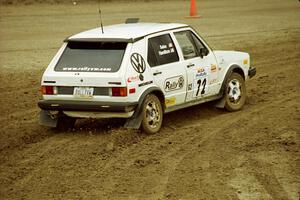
column 201, row 86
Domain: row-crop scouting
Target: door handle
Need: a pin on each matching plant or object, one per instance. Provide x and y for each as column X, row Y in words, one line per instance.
column 156, row 73
column 190, row 65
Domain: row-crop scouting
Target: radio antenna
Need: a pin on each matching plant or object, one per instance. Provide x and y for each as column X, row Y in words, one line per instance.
column 100, row 17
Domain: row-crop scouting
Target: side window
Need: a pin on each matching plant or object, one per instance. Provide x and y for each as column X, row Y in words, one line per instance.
column 186, row 44
column 161, row 50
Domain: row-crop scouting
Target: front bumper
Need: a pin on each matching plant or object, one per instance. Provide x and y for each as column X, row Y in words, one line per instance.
column 251, row 72
column 87, row 106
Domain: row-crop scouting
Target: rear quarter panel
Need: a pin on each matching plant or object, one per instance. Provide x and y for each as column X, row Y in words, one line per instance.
column 135, row 80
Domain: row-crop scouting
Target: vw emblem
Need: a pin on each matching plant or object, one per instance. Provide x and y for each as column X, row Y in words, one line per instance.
column 138, row 63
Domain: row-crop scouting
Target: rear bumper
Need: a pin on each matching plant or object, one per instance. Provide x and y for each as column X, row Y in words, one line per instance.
column 87, row 106
column 251, row 72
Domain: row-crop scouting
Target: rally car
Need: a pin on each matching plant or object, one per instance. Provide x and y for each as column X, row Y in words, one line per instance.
column 139, row 71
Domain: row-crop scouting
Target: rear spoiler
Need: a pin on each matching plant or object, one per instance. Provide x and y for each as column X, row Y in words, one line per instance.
column 131, row 40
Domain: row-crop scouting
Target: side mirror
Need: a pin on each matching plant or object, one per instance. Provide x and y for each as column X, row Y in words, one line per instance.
column 203, row 52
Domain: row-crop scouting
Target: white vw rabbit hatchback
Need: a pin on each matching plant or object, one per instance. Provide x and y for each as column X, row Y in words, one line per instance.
column 139, row 71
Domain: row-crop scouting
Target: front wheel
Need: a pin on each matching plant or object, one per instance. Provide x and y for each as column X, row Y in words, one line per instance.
column 235, row 92
column 152, row 114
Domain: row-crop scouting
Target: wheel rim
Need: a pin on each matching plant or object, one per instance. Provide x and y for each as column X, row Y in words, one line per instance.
column 234, row 91
column 152, row 114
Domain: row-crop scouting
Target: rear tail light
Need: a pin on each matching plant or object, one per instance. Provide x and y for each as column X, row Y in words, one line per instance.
column 119, row 91
column 48, row 90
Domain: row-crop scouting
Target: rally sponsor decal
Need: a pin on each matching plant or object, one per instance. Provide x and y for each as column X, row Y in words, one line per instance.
column 213, row 68
column 133, row 79
column 145, row 83
column 174, row 83
column 200, row 72
column 88, row 69
column 213, row 81
column 170, row 101
column 190, row 87
column 138, row 63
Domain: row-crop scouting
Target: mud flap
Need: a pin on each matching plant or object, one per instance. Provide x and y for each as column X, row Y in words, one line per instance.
column 46, row 119
column 134, row 122
column 220, row 103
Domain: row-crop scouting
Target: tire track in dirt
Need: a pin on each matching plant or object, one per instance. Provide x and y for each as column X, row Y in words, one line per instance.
column 264, row 173
column 176, row 154
column 258, row 160
column 59, row 156
column 214, row 154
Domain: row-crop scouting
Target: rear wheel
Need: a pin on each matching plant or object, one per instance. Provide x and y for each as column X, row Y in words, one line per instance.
column 64, row 123
column 152, row 114
column 235, row 92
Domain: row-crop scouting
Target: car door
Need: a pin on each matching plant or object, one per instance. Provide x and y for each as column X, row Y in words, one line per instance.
column 200, row 63
column 168, row 73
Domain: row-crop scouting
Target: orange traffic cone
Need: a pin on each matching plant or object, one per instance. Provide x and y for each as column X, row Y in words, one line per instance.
column 193, row 10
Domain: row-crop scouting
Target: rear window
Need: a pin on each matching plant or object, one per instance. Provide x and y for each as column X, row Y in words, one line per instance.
column 91, row 57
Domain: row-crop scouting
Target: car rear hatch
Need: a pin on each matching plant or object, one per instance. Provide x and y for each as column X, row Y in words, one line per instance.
column 85, row 70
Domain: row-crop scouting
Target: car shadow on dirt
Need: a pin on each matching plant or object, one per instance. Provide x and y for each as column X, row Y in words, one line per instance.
column 177, row 118
column 173, row 121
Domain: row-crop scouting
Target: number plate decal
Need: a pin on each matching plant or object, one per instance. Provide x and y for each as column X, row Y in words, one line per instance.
column 83, row 92
column 200, row 82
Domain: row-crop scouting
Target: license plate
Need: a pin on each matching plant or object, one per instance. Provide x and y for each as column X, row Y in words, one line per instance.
column 83, row 92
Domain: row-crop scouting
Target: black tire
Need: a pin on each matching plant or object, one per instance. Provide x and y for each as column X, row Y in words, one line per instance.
column 65, row 123
column 152, row 114
column 235, row 92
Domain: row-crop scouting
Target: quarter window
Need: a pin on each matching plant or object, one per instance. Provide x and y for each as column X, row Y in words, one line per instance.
column 198, row 43
column 161, row 50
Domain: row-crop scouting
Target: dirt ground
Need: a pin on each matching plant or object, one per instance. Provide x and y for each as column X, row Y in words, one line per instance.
column 200, row 153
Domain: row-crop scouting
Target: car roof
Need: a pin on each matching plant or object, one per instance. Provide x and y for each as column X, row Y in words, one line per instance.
column 130, row 32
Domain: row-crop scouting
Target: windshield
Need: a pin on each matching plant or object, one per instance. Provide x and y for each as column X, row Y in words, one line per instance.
column 91, row 57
